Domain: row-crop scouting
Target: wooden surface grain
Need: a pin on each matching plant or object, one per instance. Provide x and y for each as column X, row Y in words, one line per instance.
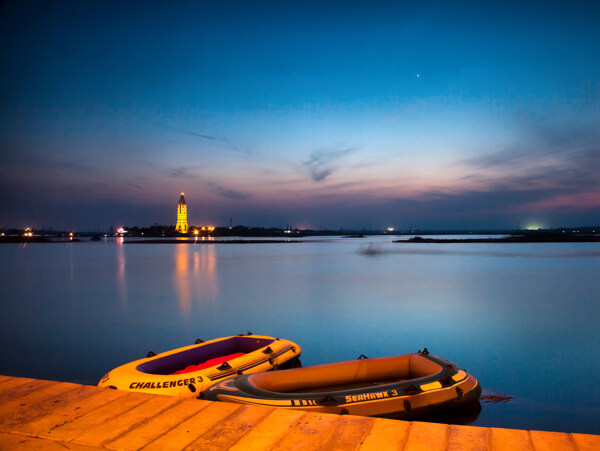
column 36, row 414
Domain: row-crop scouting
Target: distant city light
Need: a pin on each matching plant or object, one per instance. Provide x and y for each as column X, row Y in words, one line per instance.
column 534, row 227
column 390, row 229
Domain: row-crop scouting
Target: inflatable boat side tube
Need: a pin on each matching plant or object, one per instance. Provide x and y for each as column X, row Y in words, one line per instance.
column 405, row 386
column 184, row 371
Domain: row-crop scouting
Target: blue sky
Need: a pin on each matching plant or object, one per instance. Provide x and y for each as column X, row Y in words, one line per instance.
column 313, row 114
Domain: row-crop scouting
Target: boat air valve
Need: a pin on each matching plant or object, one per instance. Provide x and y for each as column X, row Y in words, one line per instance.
column 268, row 350
column 150, row 354
column 198, row 341
column 425, row 351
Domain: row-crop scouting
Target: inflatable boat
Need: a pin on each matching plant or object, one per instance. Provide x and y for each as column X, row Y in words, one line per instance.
column 187, row 371
column 405, row 387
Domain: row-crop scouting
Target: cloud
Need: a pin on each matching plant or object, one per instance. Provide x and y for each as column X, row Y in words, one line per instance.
column 227, row 192
column 221, row 142
column 323, row 163
column 550, row 159
column 182, row 172
column 544, row 141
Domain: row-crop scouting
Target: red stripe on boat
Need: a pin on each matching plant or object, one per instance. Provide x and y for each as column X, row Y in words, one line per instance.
column 209, row 363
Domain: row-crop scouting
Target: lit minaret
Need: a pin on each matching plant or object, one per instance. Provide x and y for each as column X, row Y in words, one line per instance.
column 182, row 225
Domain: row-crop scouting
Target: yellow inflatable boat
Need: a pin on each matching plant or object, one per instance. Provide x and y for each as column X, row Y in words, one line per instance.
column 407, row 386
column 188, row 371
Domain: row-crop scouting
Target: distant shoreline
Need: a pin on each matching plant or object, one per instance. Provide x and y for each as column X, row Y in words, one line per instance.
column 39, row 239
column 541, row 238
column 529, row 238
column 211, row 241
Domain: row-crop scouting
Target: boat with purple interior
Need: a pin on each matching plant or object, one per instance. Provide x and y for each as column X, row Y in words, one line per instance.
column 188, row 371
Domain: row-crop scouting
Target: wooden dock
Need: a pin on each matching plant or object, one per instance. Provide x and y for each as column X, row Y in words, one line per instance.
column 38, row 414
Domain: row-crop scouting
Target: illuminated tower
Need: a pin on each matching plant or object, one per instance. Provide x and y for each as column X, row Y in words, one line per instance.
column 182, row 225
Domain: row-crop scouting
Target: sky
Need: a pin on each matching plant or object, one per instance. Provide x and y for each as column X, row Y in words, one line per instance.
column 440, row 115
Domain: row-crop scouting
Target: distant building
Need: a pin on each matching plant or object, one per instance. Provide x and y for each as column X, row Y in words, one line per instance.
column 182, row 224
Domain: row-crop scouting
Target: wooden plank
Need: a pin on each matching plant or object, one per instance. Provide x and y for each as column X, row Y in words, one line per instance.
column 34, row 409
column 231, row 429
column 155, row 427
column 349, row 432
column 308, row 433
column 68, row 431
column 430, row 436
column 24, row 389
column 192, row 428
column 386, row 434
column 22, row 442
column 74, row 416
column 13, row 382
column 586, row 442
column 269, row 431
column 469, row 438
column 550, row 441
column 31, row 405
column 119, row 425
column 510, row 440
column 41, row 427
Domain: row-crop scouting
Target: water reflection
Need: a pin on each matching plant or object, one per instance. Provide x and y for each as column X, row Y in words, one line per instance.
column 182, row 278
column 198, row 282
column 510, row 321
column 372, row 249
column 121, row 279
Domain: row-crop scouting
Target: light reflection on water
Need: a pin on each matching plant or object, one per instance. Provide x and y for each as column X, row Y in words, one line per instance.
column 522, row 318
column 196, row 281
column 121, row 279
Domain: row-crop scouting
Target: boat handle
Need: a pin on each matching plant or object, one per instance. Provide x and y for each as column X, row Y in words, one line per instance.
column 328, row 401
column 224, row 366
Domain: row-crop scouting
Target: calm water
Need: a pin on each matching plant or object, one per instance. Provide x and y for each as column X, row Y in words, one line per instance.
column 522, row 318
